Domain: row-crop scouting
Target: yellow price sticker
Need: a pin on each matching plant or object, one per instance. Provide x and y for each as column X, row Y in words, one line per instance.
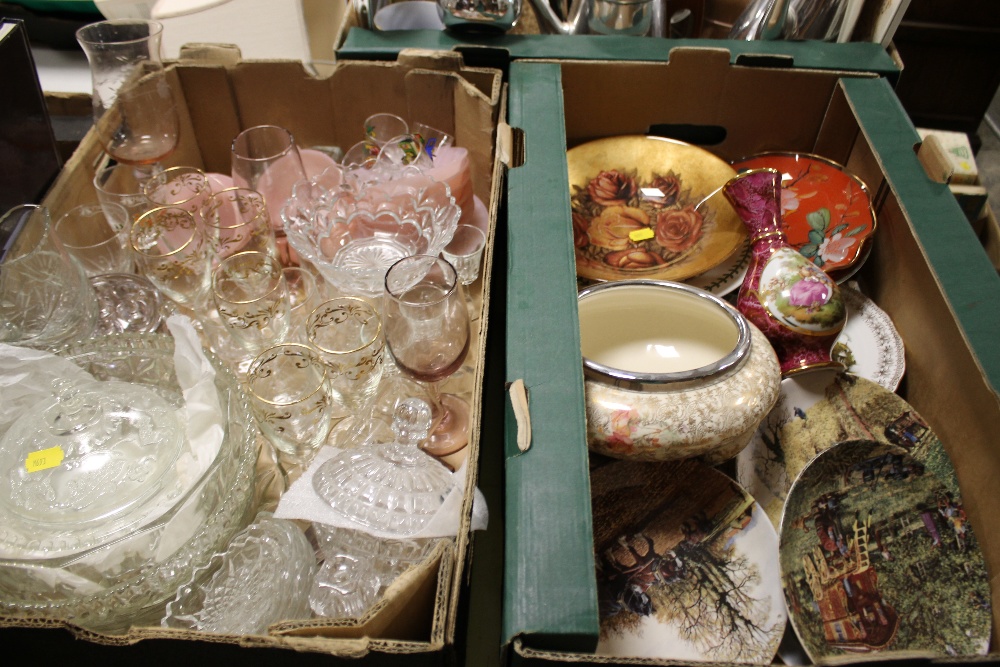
column 44, row 459
column 641, row 234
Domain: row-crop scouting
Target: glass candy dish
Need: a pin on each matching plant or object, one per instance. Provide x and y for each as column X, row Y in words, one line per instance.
column 392, row 487
column 358, row 567
column 263, row 577
column 354, row 231
column 114, row 570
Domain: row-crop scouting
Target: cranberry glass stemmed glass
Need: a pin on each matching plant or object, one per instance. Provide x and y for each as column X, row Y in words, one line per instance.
column 427, row 331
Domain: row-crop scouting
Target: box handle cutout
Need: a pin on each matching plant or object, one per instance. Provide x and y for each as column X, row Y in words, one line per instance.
column 514, row 151
column 699, row 135
column 768, row 60
column 522, row 416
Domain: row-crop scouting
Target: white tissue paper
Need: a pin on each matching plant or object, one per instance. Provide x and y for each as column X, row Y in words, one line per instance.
column 302, row 502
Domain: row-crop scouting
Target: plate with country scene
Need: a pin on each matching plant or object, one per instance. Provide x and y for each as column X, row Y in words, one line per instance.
column 877, row 556
column 869, row 345
column 816, row 410
column 826, row 211
column 686, row 565
column 650, row 207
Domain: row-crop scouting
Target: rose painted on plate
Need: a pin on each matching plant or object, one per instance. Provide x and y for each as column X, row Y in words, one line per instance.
column 627, row 223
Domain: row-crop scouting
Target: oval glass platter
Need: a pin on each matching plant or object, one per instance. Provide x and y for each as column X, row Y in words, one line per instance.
column 826, row 211
column 819, row 409
column 877, row 556
column 649, row 207
column 686, row 565
column 869, row 345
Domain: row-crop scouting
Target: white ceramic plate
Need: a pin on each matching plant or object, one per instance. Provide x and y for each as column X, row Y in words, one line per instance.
column 674, row 543
column 726, row 277
column 869, row 345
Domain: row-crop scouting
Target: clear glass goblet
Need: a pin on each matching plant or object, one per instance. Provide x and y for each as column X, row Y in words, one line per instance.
column 135, row 116
column 171, row 250
column 427, row 330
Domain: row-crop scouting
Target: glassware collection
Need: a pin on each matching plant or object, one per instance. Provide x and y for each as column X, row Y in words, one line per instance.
column 215, row 316
column 739, row 390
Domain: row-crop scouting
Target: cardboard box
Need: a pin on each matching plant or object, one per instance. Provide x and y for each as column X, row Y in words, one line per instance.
column 497, row 50
column 416, row 622
column 927, row 271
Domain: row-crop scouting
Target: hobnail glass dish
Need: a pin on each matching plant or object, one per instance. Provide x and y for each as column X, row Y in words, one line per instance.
column 357, row 568
column 262, row 577
column 108, row 582
column 354, row 231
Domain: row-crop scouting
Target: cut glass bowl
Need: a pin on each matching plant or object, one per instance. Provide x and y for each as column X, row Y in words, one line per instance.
column 354, row 231
column 109, row 579
column 263, row 577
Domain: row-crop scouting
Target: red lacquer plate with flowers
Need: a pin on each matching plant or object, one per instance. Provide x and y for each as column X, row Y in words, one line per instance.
column 826, row 211
column 649, row 207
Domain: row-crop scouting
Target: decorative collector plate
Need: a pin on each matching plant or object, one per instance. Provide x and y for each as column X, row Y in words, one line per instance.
column 649, row 207
column 686, row 565
column 826, row 211
column 869, row 345
column 819, row 409
column 877, row 555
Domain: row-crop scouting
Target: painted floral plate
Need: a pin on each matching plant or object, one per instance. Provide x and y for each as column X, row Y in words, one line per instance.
column 826, row 211
column 878, row 557
column 819, row 409
column 686, row 565
column 869, row 345
column 649, row 207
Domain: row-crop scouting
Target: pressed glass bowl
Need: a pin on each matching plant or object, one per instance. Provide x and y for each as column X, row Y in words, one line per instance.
column 353, row 232
column 106, row 581
column 262, row 577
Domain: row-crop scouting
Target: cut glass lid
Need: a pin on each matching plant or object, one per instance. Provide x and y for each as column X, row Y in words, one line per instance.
column 92, row 453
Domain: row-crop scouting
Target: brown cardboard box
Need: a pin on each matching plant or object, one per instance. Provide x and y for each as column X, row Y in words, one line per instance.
column 927, row 270
column 221, row 95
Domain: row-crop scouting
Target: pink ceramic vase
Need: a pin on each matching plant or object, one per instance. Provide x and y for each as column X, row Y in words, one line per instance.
column 795, row 303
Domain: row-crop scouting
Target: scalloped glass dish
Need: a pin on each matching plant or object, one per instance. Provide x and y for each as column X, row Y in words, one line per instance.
column 354, row 231
column 106, row 580
column 262, row 577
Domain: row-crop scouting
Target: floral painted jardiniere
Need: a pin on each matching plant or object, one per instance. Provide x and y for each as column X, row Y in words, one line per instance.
column 671, row 372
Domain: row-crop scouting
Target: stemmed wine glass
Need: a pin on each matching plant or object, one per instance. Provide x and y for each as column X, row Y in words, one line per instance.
column 134, row 112
column 427, row 331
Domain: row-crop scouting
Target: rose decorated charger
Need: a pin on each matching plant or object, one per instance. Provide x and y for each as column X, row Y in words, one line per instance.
column 826, row 211
column 878, row 557
column 649, row 207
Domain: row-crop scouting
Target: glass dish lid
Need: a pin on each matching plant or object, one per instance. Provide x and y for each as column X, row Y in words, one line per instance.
column 95, row 453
